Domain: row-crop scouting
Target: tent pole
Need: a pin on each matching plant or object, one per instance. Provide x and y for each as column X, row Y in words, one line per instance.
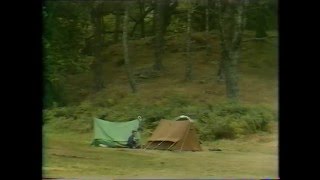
column 159, row 144
column 172, row 145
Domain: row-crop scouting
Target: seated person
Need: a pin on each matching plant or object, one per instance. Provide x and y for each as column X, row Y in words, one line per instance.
column 132, row 141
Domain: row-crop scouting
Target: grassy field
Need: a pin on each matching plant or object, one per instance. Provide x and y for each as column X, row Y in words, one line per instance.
column 69, row 155
column 68, row 131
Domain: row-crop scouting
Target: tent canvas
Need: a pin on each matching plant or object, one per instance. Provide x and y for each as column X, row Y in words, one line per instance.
column 174, row 135
column 113, row 134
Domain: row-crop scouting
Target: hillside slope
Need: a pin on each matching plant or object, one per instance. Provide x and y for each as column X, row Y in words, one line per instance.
column 166, row 94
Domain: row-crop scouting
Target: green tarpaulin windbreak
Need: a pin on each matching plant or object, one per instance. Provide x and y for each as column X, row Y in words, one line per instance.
column 113, row 134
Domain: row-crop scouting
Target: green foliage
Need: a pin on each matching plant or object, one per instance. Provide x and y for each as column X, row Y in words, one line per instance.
column 262, row 13
column 178, row 24
column 233, row 120
column 66, row 25
column 214, row 122
column 177, row 100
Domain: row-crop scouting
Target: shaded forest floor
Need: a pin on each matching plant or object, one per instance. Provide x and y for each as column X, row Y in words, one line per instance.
column 68, row 130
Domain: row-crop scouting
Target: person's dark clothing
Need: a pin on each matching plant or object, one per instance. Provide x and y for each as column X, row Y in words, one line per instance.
column 132, row 142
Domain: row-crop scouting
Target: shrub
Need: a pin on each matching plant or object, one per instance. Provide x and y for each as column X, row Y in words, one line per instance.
column 232, row 120
column 176, row 100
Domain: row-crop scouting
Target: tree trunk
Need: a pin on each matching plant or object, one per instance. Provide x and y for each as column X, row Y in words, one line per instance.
column 220, row 73
column 154, row 19
column 230, row 33
column 141, row 7
column 48, row 95
column 134, row 28
column 98, row 71
column 140, row 21
column 117, row 27
column 53, row 94
column 231, row 75
column 189, row 59
column 208, row 47
column 125, row 51
column 261, row 23
column 159, row 39
column 142, row 28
